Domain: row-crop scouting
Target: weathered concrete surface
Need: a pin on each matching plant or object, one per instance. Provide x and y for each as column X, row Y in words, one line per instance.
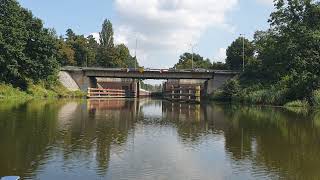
column 84, row 82
column 67, row 81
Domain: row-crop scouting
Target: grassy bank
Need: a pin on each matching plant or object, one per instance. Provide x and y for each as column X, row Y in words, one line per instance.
column 37, row 91
column 278, row 94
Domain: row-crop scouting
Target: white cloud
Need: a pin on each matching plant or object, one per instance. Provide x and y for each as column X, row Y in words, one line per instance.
column 96, row 36
column 166, row 26
column 220, row 55
column 266, row 2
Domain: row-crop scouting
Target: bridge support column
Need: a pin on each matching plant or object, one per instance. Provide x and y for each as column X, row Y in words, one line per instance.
column 210, row 86
column 87, row 82
column 217, row 82
column 136, row 87
column 84, row 82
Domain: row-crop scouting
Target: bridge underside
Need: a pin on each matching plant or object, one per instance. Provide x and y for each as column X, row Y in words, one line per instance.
column 86, row 77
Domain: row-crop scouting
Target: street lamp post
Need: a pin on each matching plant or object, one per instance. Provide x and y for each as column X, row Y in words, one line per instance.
column 135, row 55
column 192, row 47
column 243, row 56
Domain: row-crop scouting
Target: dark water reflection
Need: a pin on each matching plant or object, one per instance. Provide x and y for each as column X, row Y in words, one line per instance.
column 154, row 139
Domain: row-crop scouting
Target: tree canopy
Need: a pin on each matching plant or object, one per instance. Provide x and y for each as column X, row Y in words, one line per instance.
column 185, row 62
column 286, row 57
column 234, row 54
column 27, row 50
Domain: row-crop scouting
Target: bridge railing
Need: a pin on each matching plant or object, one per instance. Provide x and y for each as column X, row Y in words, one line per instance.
column 184, row 94
column 109, row 93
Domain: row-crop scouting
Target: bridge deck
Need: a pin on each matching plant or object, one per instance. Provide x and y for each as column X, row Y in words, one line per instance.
column 149, row 73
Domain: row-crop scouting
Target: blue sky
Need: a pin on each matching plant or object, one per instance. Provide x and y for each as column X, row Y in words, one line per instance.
column 164, row 28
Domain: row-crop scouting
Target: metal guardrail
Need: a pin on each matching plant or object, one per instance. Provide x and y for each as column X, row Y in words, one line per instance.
column 109, row 93
column 141, row 70
column 184, row 94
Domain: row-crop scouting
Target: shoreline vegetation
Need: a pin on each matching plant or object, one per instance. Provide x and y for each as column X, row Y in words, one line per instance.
column 282, row 64
column 38, row 91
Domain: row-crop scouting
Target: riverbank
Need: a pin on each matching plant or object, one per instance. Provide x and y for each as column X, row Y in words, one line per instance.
column 37, row 91
column 275, row 94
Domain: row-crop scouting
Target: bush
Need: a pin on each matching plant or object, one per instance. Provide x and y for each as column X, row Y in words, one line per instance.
column 9, row 92
column 37, row 91
column 231, row 88
column 316, row 97
column 297, row 103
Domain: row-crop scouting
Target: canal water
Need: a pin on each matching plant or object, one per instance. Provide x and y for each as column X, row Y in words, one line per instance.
column 155, row 139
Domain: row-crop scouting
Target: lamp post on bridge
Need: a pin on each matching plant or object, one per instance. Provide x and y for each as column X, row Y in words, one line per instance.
column 135, row 55
column 243, row 55
column 192, row 47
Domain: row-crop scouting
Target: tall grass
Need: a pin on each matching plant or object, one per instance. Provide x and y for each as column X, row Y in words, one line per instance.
column 9, row 92
column 316, row 98
column 37, row 91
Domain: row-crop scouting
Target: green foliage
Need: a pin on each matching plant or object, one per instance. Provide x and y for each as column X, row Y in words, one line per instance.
column 66, row 54
column 218, row 95
column 286, row 61
column 106, row 51
column 149, row 87
column 106, row 35
column 316, row 97
column 77, row 50
column 297, row 103
column 234, row 59
column 219, row 66
column 40, row 90
column 9, row 92
column 231, row 88
column 258, row 94
column 122, row 57
column 27, row 50
column 185, row 62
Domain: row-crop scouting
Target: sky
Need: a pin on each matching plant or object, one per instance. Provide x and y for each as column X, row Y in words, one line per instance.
column 164, row 29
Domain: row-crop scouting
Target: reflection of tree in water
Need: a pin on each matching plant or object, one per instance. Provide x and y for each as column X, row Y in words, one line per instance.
column 97, row 126
column 272, row 139
column 29, row 130
column 280, row 141
column 26, row 130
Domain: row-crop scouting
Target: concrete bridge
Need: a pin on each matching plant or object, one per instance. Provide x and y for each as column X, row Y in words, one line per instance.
column 85, row 77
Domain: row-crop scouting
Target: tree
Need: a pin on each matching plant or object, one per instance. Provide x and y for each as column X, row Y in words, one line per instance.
column 185, row 62
column 219, row 66
column 27, row 50
column 65, row 54
column 92, row 52
column 234, row 59
column 296, row 28
column 70, row 35
column 106, row 49
column 81, row 51
column 106, row 34
column 123, row 58
column 288, row 54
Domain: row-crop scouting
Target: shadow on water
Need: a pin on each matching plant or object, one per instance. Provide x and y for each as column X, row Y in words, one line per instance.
column 82, row 139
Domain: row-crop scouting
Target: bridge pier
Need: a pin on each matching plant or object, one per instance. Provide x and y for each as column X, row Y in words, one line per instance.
column 135, row 87
column 84, row 82
column 209, row 85
column 87, row 82
column 217, row 82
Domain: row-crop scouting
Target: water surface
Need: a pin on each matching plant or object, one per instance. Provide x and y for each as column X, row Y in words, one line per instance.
column 155, row 139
